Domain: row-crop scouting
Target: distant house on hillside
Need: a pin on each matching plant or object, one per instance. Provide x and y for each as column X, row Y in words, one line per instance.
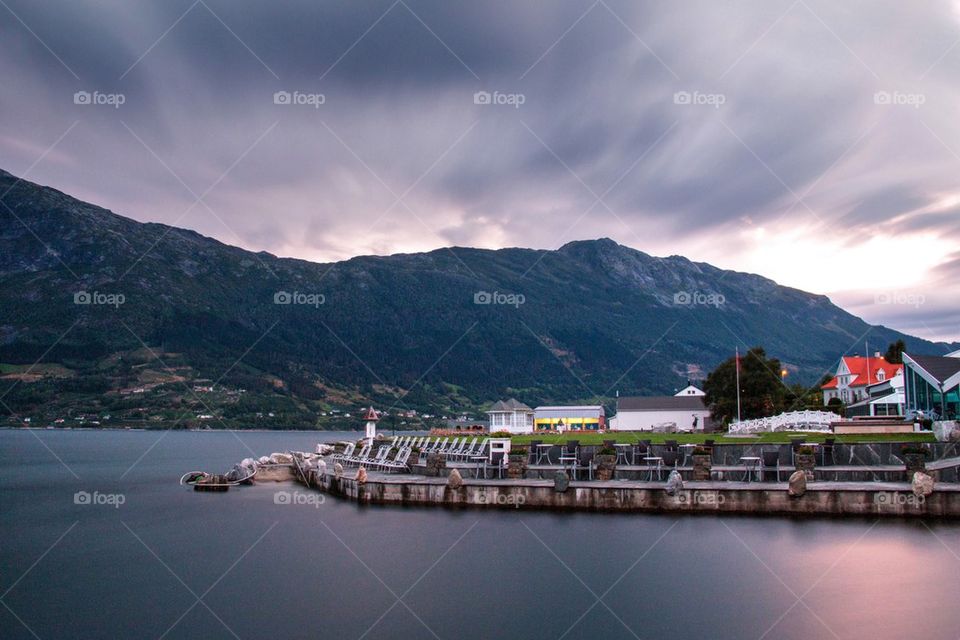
column 510, row 415
column 690, row 390
column 668, row 413
column 854, row 374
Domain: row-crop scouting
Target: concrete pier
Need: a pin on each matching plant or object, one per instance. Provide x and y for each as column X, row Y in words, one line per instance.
column 870, row 499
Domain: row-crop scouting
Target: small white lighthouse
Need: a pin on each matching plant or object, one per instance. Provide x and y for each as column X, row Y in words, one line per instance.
column 371, row 416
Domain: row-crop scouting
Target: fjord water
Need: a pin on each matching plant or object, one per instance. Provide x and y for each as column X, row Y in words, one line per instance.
column 173, row 563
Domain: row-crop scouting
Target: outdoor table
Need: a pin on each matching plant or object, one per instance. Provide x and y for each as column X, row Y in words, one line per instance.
column 751, row 464
column 543, row 453
column 649, row 460
column 622, row 452
column 687, row 450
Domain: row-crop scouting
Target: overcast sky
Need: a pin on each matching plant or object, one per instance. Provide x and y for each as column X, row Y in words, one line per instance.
column 816, row 143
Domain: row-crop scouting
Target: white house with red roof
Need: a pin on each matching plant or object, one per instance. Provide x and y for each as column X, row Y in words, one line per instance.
column 856, row 373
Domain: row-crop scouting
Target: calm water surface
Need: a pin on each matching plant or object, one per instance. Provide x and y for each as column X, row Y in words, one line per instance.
column 172, row 563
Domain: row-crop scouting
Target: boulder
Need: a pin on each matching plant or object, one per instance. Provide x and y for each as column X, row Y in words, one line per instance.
column 361, row 475
column 798, row 483
column 922, row 484
column 264, row 460
column 322, row 468
column 455, row 480
column 338, row 470
column 281, row 458
column 561, row 482
column 324, row 449
column 674, row 483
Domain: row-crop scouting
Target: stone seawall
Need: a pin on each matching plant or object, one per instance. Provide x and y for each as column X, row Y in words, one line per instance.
column 846, row 499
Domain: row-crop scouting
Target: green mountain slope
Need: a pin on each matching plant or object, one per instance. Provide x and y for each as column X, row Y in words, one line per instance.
column 403, row 331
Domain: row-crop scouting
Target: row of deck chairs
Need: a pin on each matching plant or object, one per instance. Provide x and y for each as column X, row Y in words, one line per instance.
column 462, row 449
column 379, row 462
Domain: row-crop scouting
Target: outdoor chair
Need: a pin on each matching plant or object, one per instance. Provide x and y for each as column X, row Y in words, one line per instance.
column 585, row 460
column 826, row 452
column 640, row 451
column 771, row 461
column 347, row 451
column 357, row 457
column 670, row 445
column 568, row 453
column 532, row 451
column 670, row 459
column 400, row 463
column 495, row 462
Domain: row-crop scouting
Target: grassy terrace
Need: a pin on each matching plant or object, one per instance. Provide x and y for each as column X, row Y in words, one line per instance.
column 683, row 438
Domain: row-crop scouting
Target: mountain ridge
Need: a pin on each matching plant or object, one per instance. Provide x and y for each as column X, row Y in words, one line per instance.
column 595, row 317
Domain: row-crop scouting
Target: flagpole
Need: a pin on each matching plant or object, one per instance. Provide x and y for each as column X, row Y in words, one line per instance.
column 737, row 359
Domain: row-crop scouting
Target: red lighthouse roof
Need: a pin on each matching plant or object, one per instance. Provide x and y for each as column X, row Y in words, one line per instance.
column 371, row 415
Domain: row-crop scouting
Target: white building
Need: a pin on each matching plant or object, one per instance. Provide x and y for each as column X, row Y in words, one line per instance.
column 679, row 412
column 510, row 415
column 884, row 398
column 690, row 390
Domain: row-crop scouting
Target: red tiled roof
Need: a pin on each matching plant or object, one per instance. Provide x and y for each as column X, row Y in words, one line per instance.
column 859, row 366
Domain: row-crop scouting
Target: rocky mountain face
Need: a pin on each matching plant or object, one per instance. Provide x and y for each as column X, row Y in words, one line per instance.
column 96, row 296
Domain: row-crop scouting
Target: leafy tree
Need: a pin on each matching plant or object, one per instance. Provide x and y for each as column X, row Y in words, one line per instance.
column 835, row 405
column 894, row 354
column 761, row 391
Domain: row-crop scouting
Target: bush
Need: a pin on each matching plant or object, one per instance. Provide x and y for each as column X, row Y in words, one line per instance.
column 518, row 451
column 914, row 450
column 806, row 450
column 607, row 451
column 500, row 434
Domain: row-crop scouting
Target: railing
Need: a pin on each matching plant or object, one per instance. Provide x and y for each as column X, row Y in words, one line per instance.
column 790, row 421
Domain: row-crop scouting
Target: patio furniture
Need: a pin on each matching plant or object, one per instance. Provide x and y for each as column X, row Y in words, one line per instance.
column 794, row 445
column 495, row 461
column 640, row 451
column 751, row 464
column 585, row 461
column 687, row 452
column 653, row 462
column 826, row 452
column 771, row 460
column 670, row 445
column 622, row 449
column 543, row 453
column 532, row 449
column 347, row 451
column 670, row 459
column 568, row 453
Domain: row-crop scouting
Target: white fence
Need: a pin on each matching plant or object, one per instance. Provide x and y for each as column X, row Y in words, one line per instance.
column 791, row 421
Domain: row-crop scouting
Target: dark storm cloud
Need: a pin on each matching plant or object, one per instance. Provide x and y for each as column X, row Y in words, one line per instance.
column 792, row 133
